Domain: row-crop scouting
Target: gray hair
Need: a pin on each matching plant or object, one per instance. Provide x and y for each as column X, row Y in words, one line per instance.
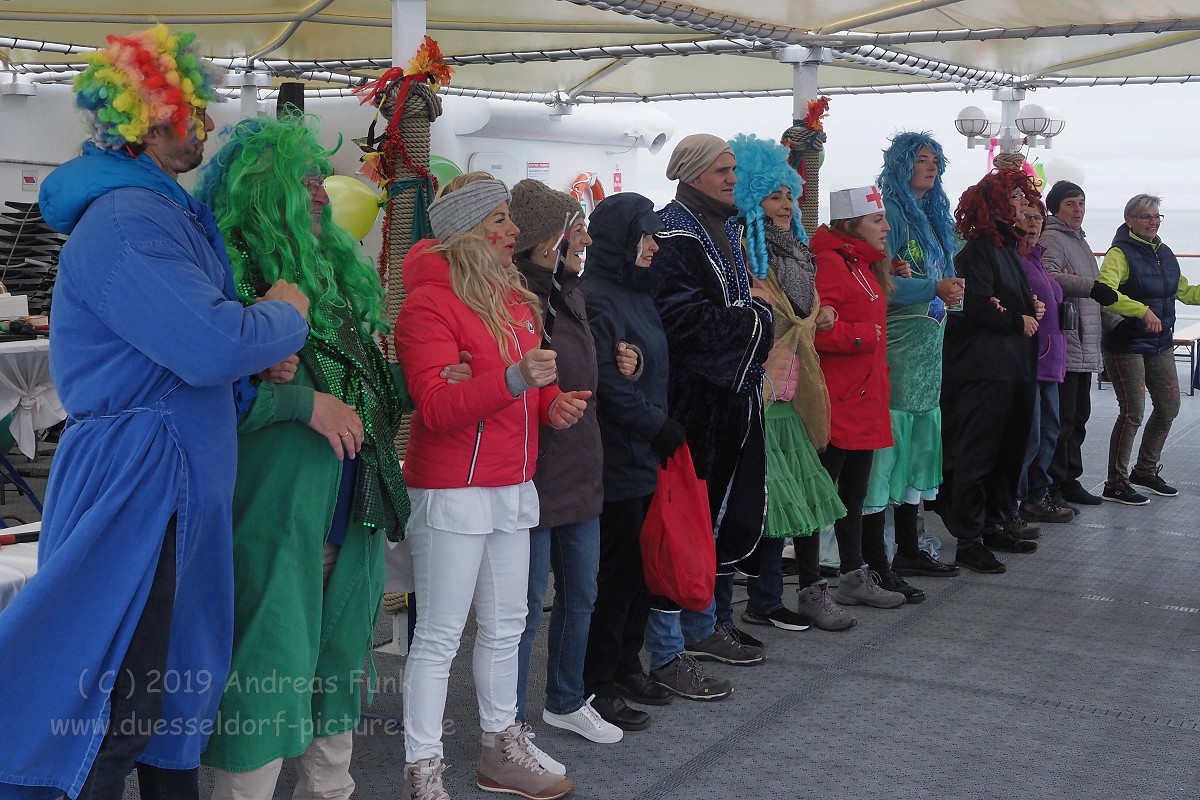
column 1141, row 204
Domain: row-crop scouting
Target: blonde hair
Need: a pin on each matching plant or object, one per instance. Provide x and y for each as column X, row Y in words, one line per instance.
column 485, row 283
column 882, row 269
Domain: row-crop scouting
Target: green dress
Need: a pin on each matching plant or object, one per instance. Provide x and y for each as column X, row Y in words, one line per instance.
column 300, row 651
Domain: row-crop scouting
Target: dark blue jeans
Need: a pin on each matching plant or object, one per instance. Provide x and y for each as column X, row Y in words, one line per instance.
column 574, row 552
column 1043, row 439
column 766, row 591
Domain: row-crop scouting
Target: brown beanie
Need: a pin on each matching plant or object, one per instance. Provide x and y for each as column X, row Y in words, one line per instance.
column 539, row 212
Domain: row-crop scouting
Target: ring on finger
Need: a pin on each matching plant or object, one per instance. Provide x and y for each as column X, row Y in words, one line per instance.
column 347, row 433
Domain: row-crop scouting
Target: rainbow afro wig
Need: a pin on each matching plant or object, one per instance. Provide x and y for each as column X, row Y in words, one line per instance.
column 762, row 169
column 141, row 80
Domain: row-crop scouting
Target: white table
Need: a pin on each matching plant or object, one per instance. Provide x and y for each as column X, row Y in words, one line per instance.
column 27, row 391
column 18, row 563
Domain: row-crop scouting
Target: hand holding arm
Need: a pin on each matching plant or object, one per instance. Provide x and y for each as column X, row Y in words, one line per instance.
column 338, row 423
column 457, row 373
column 282, row 372
column 567, row 409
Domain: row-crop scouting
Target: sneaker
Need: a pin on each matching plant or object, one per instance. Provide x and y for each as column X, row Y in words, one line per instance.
column 1044, row 510
column 508, row 765
column 613, row 709
column 423, row 780
column 1122, row 492
column 783, row 618
column 892, row 582
column 816, row 607
column 1021, row 529
column 861, row 587
column 686, row 677
column 548, row 762
column 1057, row 498
column 922, row 564
column 638, row 688
column 721, row 645
column 586, row 722
column 978, row 558
column 1151, row 480
column 1075, row 493
column 1000, row 539
column 741, row 637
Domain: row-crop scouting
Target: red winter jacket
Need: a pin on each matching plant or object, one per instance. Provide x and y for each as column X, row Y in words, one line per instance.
column 853, row 358
column 473, row 433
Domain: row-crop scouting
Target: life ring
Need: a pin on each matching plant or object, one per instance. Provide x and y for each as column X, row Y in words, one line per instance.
column 588, row 190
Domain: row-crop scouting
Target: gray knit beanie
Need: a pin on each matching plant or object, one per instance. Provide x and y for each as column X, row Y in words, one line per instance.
column 453, row 214
column 540, row 212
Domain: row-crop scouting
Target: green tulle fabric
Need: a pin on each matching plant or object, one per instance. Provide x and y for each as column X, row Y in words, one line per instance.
column 801, row 499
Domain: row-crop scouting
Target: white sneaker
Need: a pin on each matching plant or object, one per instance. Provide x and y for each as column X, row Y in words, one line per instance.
column 547, row 761
column 587, row 722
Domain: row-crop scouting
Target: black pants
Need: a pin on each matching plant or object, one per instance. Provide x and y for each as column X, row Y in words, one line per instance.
column 985, row 425
column 618, row 627
column 904, row 515
column 808, row 559
column 1074, row 410
column 136, row 700
column 850, row 470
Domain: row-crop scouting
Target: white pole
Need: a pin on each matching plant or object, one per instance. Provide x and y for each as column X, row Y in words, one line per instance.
column 408, row 29
column 806, row 63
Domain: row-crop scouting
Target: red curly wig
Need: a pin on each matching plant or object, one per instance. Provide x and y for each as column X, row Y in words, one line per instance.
column 984, row 209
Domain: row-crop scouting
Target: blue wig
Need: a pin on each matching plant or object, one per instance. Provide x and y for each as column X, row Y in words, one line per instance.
column 928, row 220
column 762, row 169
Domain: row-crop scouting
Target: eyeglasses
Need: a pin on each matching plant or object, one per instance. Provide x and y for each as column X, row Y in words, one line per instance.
column 314, row 182
column 1150, row 217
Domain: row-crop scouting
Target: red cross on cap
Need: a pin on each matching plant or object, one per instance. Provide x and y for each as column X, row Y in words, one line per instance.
column 875, row 197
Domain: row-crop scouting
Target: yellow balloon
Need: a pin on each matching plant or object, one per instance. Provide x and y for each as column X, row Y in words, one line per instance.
column 354, row 206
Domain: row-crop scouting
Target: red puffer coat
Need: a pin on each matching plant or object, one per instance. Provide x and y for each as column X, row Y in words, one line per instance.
column 853, row 357
column 473, row 433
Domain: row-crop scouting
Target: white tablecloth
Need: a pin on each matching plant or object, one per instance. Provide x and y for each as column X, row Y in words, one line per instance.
column 27, row 391
column 18, row 563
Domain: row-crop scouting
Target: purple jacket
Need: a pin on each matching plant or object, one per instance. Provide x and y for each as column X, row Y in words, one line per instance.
column 1052, row 345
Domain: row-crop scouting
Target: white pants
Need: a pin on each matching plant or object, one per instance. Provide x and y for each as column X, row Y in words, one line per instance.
column 324, row 774
column 451, row 571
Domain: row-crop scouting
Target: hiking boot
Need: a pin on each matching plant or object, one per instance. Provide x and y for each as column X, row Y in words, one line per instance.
column 1000, row 539
column 861, row 587
column 922, row 564
column 1075, row 493
column 892, row 582
column 783, row 618
column 1021, row 529
column 508, row 765
column 978, row 558
column 1150, row 480
column 1044, row 510
column 816, row 607
column 721, row 645
column 1057, row 499
column 585, row 721
column 1122, row 492
column 686, row 677
column 423, row 780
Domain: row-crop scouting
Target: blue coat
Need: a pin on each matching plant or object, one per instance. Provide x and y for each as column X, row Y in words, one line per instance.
column 149, row 339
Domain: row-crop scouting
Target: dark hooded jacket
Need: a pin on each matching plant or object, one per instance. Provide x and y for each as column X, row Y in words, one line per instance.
column 620, row 308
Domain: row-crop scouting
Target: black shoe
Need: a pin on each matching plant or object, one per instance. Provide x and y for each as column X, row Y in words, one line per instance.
column 783, row 618
column 1005, row 541
column 740, row 636
column 922, row 564
column 978, row 558
column 612, row 709
column 1057, row 499
column 1022, row 529
column 1074, row 493
column 894, row 583
column 721, row 645
column 1122, row 492
column 638, row 688
column 1044, row 510
column 1150, row 480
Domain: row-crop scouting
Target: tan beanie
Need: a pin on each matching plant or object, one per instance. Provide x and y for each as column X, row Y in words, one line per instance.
column 539, row 212
column 693, row 155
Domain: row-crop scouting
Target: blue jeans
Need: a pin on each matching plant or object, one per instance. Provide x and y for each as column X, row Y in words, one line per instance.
column 1043, row 440
column 574, row 552
column 766, row 591
column 664, row 637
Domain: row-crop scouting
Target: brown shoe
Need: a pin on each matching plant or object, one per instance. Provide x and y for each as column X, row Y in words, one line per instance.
column 508, row 765
column 423, row 780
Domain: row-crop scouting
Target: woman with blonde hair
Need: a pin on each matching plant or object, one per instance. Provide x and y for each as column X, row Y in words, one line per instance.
column 471, row 456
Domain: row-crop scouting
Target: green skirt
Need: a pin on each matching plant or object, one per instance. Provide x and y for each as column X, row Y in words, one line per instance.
column 911, row 469
column 801, row 499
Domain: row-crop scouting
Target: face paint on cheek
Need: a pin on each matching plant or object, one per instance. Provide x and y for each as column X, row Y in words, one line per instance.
column 495, row 237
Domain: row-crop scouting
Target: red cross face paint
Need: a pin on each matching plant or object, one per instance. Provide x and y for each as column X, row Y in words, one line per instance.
column 501, row 234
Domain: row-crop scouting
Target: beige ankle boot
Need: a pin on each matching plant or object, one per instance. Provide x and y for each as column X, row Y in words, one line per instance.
column 423, row 780
column 509, row 765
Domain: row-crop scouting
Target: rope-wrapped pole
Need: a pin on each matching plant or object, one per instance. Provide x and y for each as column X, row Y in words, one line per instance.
column 805, row 140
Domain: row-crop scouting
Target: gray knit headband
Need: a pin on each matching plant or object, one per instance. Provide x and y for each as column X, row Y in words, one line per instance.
column 453, row 214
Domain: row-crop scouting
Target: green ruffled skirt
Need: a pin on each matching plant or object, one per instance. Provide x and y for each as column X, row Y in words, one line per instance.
column 911, row 469
column 801, row 499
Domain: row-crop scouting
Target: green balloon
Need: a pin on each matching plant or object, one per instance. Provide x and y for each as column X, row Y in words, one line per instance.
column 443, row 169
column 821, row 158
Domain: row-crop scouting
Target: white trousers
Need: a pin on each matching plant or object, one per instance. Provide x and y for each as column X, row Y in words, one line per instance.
column 324, row 774
column 451, row 572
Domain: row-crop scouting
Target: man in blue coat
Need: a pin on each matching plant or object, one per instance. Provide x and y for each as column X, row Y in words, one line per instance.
column 117, row 651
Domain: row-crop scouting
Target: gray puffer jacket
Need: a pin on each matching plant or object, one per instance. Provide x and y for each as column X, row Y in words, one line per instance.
column 1069, row 260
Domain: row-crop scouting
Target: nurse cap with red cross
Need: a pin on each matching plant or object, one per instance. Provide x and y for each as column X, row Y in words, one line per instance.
column 851, row 203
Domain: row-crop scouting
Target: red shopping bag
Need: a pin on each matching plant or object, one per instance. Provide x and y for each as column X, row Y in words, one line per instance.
column 678, row 553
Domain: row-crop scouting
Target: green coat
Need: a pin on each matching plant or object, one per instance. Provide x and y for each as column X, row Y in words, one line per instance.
column 300, row 653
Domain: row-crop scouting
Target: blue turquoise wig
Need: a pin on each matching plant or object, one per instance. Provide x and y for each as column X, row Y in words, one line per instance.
column 929, row 220
column 762, row 169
